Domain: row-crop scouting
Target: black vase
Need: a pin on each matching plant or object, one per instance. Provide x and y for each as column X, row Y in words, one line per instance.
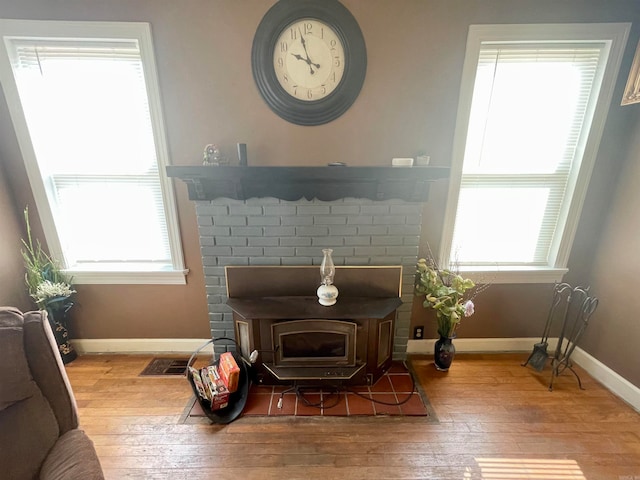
column 443, row 354
column 57, row 313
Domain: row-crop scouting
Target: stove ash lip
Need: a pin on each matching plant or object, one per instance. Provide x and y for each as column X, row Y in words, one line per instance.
column 313, row 375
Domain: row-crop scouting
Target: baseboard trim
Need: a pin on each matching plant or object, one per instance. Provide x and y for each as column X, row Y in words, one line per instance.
column 478, row 345
column 617, row 384
column 613, row 381
column 141, row 345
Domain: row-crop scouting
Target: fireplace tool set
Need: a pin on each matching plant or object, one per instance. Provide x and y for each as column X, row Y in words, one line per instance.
column 571, row 308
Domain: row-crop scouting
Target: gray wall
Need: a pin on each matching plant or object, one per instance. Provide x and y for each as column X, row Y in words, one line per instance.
column 12, row 286
column 614, row 334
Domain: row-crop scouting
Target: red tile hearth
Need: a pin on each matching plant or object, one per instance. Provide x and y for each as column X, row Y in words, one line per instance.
column 393, row 394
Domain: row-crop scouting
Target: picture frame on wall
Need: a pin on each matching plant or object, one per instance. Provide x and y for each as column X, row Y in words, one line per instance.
column 632, row 89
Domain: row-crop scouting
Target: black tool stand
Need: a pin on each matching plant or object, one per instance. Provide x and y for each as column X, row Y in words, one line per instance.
column 579, row 308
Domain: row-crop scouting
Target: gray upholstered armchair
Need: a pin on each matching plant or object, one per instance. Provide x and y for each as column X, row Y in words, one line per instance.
column 39, row 435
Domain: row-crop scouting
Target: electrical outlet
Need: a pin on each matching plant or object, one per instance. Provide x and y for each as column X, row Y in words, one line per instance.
column 418, row 333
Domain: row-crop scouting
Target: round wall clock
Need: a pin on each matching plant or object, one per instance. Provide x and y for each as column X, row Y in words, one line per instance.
column 309, row 60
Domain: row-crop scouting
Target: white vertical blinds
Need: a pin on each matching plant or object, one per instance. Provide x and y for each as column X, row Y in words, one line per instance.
column 523, row 140
column 87, row 110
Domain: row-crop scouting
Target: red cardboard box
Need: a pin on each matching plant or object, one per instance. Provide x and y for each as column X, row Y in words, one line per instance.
column 229, row 371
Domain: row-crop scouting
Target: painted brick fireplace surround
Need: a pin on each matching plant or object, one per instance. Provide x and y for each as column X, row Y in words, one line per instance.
column 285, row 216
column 269, row 231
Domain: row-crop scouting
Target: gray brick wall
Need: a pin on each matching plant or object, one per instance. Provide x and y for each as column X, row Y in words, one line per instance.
column 269, row 231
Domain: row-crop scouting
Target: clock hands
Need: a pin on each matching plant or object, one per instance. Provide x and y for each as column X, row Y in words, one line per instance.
column 304, row 45
column 307, row 60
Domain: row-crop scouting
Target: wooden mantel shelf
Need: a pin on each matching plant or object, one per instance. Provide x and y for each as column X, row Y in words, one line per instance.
column 293, row 183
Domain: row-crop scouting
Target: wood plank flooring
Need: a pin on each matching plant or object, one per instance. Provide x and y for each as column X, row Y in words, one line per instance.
column 496, row 420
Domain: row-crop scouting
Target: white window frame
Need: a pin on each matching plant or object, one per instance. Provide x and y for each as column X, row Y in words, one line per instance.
column 125, row 274
column 614, row 35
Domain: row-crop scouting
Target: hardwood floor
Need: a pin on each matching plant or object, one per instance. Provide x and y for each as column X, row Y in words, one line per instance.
column 497, row 420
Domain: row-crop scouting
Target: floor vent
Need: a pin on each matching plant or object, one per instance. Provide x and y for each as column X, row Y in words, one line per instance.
column 166, row 366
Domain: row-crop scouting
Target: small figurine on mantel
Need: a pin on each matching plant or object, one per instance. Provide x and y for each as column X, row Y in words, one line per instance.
column 212, row 155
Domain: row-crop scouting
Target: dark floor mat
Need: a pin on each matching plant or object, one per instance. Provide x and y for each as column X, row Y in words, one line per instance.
column 166, row 366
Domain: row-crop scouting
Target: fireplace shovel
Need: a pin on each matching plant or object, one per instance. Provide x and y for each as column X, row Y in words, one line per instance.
column 539, row 355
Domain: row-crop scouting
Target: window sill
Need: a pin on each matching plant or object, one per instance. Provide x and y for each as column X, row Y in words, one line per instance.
column 148, row 277
column 513, row 274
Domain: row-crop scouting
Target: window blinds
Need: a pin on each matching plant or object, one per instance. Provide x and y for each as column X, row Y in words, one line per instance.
column 523, row 140
column 87, row 110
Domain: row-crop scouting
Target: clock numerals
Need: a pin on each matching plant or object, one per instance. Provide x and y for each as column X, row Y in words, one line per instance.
column 309, row 60
column 308, row 28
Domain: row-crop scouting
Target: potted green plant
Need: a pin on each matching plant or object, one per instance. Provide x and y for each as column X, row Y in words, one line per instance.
column 451, row 296
column 50, row 288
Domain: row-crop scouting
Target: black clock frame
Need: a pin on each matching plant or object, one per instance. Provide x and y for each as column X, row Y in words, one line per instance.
column 317, row 112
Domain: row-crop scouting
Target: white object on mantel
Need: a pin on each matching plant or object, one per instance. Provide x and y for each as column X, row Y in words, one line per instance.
column 423, row 160
column 327, row 291
column 402, row 162
column 327, row 295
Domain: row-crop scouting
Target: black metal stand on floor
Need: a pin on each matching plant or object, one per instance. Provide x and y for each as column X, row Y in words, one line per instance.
column 577, row 309
column 580, row 307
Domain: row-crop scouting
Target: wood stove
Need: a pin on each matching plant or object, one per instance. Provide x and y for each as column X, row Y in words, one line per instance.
column 301, row 341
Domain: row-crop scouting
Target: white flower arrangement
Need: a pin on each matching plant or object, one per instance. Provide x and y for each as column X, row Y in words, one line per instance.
column 47, row 290
column 43, row 276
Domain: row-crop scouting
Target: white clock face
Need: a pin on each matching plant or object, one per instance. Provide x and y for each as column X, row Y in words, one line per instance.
column 308, row 60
